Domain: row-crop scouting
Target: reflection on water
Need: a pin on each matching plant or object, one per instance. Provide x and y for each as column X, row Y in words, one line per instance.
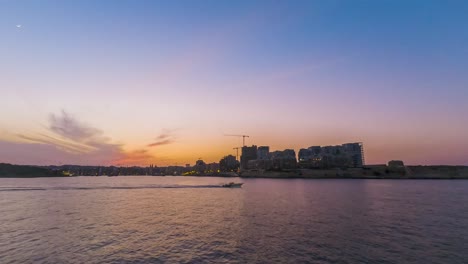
column 140, row 220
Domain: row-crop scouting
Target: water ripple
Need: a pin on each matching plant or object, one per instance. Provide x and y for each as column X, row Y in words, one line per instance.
column 191, row 220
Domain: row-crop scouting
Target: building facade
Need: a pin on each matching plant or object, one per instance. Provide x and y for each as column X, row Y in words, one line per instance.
column 263, row 152
column 228, row 163
column 248, row 153
column 346, row 155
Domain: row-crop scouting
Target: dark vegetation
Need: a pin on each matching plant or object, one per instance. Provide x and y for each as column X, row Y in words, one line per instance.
column 24, row 171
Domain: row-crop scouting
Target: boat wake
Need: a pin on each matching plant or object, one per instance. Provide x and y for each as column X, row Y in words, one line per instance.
column 63, row 188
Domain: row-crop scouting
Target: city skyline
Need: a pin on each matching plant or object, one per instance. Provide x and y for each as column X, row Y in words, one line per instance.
column 139, row 83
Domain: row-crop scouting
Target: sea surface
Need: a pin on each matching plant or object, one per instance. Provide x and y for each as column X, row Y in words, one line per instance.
column 191, row 220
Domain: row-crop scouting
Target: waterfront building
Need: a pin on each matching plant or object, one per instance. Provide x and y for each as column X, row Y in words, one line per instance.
column 260, row 164
column 396, row 164
column 308, row 158
column 263, row 152
column 304, row 155
column 287, row 153
column 212, row 167
column 346, row 155
column 285, row 159
column 200, row 166
column 174, row 170
column 356, row 150
column 315, row 150
column 228, row 163
column 248, row 153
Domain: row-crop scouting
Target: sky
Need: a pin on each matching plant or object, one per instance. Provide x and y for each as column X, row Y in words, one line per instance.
column 162, row 82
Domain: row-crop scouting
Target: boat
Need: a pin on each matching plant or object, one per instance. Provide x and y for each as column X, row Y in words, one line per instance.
column 232, row 185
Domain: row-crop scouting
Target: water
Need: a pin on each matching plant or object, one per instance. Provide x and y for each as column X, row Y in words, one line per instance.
column 140, row 220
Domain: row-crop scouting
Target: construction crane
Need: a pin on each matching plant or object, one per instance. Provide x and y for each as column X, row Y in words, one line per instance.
column 243, row 138
column 237, row 152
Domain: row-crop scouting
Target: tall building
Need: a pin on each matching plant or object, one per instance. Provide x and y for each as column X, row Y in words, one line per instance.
column 287, row 153
column 315, row 150
column 356, row 151
column 285, row 159
column 304, row 154
column 346, row 155
column 248, row 153
column 229, row 163
column 263, row 153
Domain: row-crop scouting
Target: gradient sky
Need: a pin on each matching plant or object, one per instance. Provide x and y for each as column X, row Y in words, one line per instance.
column 140, row 82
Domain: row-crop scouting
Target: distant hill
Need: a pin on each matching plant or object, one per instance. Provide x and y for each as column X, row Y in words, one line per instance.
column 23, row 171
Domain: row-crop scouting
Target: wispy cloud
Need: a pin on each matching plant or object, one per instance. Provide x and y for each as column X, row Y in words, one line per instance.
column 69, row 127
column 67, row 146
column 165, row 138
column 71, row 141
column 161, row 143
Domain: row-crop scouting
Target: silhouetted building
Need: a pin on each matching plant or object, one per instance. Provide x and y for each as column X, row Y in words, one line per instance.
column 263, row 153
column 304, row 155
column 285, row 159
column 248, row 153
column 200, row 166
column 315, row 150
column 228, row 163
column 346, row 155
column 356, row 150
column 212, row 167
column 332, row 150
column 174, row 170
column 260, row 164
column 287, row 153
column 396, row 164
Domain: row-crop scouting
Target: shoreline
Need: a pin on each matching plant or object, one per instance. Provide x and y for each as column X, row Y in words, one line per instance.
column 376, row 172
column 368, row 172
column 256, row 177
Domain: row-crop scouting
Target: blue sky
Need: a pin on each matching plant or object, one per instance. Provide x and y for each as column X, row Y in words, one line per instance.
column 290, row 73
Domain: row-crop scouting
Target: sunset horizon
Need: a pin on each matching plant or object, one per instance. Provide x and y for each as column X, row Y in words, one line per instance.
column 247, row 131
column 163, row 83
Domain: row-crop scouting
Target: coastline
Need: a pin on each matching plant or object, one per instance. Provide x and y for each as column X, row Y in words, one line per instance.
column 370, row 172
column 440, row 172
